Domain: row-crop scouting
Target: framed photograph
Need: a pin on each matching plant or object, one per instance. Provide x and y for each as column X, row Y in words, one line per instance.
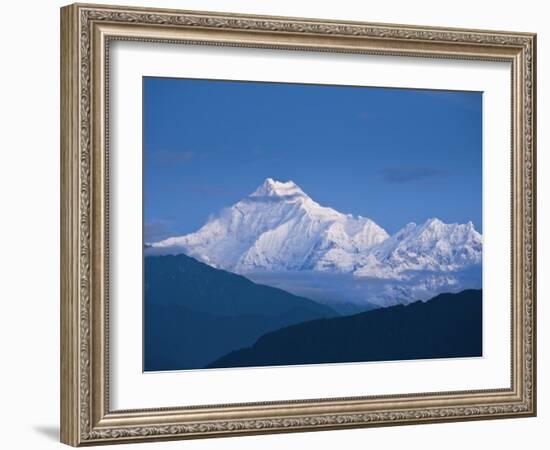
column 274, row 224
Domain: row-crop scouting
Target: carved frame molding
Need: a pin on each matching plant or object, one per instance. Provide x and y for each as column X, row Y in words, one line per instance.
column 86, row 31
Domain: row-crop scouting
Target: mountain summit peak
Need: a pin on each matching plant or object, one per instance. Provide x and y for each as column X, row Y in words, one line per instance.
column 434, row 223
column 274, row 188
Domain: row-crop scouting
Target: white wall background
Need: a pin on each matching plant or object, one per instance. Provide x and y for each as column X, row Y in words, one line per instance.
column 29, row 225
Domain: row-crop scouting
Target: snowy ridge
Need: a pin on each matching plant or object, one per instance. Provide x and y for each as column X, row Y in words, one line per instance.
column 432, row 246
column 280, row 229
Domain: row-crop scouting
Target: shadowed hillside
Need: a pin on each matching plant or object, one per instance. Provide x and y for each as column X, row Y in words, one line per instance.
column 194, row 313
column 449, row 325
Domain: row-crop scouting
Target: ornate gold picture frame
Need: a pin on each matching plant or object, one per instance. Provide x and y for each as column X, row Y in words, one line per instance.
column 87, row 32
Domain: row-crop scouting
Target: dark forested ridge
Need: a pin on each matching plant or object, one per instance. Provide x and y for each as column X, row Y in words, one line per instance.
column 196, row 316
column 447, row 326
column 194, row 313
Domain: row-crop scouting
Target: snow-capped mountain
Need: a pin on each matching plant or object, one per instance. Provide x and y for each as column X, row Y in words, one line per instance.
column 280, row 229
column 432, row 246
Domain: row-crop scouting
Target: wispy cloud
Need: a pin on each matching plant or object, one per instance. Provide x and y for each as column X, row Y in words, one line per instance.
column 210, row 191
column 408, row 174
column 157, row 230
column 173, row 156
column 370, row 115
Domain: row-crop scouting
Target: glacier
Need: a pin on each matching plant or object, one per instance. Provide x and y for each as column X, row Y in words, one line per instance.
column 278, row 235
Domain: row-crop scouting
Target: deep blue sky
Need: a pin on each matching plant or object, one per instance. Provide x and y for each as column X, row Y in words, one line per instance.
column 394, row 155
